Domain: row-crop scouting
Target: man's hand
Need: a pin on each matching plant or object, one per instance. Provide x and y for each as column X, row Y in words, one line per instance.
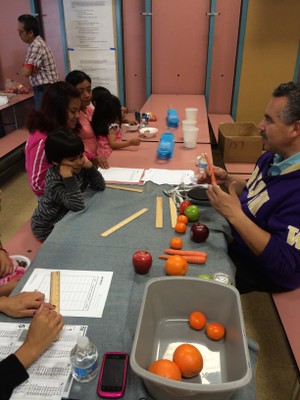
column 227, row 204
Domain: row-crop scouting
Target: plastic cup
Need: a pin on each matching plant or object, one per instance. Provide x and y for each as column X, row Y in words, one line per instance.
column 190, row 136
column 186, row 123
column 191, row 113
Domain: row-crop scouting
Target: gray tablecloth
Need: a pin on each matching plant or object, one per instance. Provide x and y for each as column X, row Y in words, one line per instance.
column 76, row 244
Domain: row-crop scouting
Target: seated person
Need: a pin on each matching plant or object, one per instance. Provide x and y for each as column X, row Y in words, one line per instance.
column 43, row 330
column 83, row 83
column 264, row 212
column 106, row 123
column 65, row 182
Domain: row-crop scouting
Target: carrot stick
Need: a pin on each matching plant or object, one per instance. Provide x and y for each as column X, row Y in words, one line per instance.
column 186, row 253
column 211, row 169
column 189, row 259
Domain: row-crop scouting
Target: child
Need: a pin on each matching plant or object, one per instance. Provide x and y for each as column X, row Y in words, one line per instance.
column 71, row 172
column 10, row 271
column 106, row 123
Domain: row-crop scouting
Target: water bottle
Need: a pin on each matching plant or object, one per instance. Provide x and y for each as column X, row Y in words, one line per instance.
column 201, row 164
column 84, row 360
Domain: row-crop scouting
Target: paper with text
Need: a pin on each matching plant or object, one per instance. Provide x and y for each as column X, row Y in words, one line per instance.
column 82, row 293
column 122, row 175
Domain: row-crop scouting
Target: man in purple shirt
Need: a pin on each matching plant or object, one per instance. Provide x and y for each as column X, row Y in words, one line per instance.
column 264, row 212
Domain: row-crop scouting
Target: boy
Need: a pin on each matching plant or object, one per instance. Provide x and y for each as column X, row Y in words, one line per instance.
column 65, row 182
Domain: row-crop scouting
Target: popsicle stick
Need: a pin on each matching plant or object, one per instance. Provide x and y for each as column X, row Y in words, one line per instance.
column 211, row 169
column 124, row 222
column 173, row 212
column 125, row 188
column 159, row 213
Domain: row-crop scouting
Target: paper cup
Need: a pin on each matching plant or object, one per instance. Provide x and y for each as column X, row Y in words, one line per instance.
column 190, row 136
column 186, row 123
column 191, row 113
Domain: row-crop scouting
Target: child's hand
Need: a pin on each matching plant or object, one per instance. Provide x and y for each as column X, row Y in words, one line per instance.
column 6, row 265
column 135, row 142
column 87, row 164
column 66, row 171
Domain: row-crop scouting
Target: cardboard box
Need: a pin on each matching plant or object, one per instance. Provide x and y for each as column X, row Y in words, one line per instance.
column 240, row 142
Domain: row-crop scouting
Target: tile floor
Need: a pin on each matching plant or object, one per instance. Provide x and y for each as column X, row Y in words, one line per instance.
column 275, row 374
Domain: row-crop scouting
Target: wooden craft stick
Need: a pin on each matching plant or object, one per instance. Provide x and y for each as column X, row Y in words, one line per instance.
column 55, row 290
column 125, row 188
column 159, row 213
column 173, row 212
column 211, row 169
column 124, row 222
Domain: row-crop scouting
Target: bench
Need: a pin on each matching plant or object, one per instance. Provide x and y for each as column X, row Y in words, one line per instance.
column 23, row 243
column 287, row 305
column 215, row 120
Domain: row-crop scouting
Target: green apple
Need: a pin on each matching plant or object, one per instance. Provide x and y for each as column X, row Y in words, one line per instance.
column 192, row 212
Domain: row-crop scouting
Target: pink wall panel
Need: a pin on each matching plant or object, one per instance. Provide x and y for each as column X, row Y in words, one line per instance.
column 224, row 56
column 134, row 54
column 179, row 46
column 53, row 34
column 12, row 49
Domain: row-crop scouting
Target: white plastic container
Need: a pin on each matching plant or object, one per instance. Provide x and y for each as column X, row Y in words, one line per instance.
column 191, row 113
column 190, row 137
column 163, row 325
column 84, row 357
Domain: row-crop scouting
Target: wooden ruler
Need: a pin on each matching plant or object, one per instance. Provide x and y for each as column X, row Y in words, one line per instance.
column 124, row 222
column 55, row 290
column 159, row 213
column 173, row 212
column 125, row 188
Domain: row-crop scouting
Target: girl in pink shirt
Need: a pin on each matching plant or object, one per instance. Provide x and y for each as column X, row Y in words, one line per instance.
column 106, row 122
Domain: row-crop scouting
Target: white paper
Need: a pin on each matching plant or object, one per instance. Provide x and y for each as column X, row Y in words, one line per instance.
column 50, row 376
column 82, row 293
column 122, row 175
column 167, row 176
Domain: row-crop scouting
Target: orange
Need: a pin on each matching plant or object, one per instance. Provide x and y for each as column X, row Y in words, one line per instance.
column 180, row 227
column 182, row 218
column 166, row 368
column 176, row 265
column 189, row 360
column 197, row 320
column 215, row 331
column 176, row 243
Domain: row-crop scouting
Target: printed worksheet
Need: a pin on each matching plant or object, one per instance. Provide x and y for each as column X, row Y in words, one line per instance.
column 82, row 293
column 122, row 175
column 167, row 176
column 50, row 376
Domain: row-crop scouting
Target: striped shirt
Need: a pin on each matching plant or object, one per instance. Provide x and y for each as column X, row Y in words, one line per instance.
column 61, row 196
column 41, row 59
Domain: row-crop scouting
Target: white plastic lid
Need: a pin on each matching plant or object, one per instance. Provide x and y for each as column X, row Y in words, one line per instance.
column 83, row 342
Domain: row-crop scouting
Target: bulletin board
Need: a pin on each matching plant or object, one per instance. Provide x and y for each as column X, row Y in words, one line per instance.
column 91, row 40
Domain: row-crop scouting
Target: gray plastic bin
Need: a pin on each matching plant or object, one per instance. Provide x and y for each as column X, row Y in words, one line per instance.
column 163, row 325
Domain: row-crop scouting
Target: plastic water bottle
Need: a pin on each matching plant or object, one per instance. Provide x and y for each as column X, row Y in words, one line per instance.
column 84, row 360
column 201, row 164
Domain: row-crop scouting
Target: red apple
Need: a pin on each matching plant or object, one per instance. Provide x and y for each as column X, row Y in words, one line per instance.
column 142, row 261
column 183, row 205
column 199, row 232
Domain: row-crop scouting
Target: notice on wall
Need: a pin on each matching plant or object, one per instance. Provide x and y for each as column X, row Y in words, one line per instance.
column 91, row 40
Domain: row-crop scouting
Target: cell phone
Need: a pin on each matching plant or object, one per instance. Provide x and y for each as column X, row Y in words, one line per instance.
column 112, row 377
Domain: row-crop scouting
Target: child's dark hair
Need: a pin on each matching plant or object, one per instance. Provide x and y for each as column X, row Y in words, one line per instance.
column 75, row 77
column 62, row 143
column 107, row 111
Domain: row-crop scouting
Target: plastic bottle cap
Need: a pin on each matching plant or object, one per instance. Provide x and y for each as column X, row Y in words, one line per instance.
column 83, row 342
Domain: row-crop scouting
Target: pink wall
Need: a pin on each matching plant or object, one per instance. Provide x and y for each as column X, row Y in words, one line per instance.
column 224, row 56
column 134, row 54
column 12, row 49
column 179, row 46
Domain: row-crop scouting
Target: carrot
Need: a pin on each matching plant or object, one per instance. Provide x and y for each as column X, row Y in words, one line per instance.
column 211, row 169
column 186, row 253
column 189, row 259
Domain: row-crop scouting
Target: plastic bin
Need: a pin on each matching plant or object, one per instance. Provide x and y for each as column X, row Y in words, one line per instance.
column 163, row 325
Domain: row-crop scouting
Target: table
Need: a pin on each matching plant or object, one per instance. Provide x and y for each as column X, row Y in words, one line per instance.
column 19, row 98
column 158, row 104
column 76, row 244
column 145, row 156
